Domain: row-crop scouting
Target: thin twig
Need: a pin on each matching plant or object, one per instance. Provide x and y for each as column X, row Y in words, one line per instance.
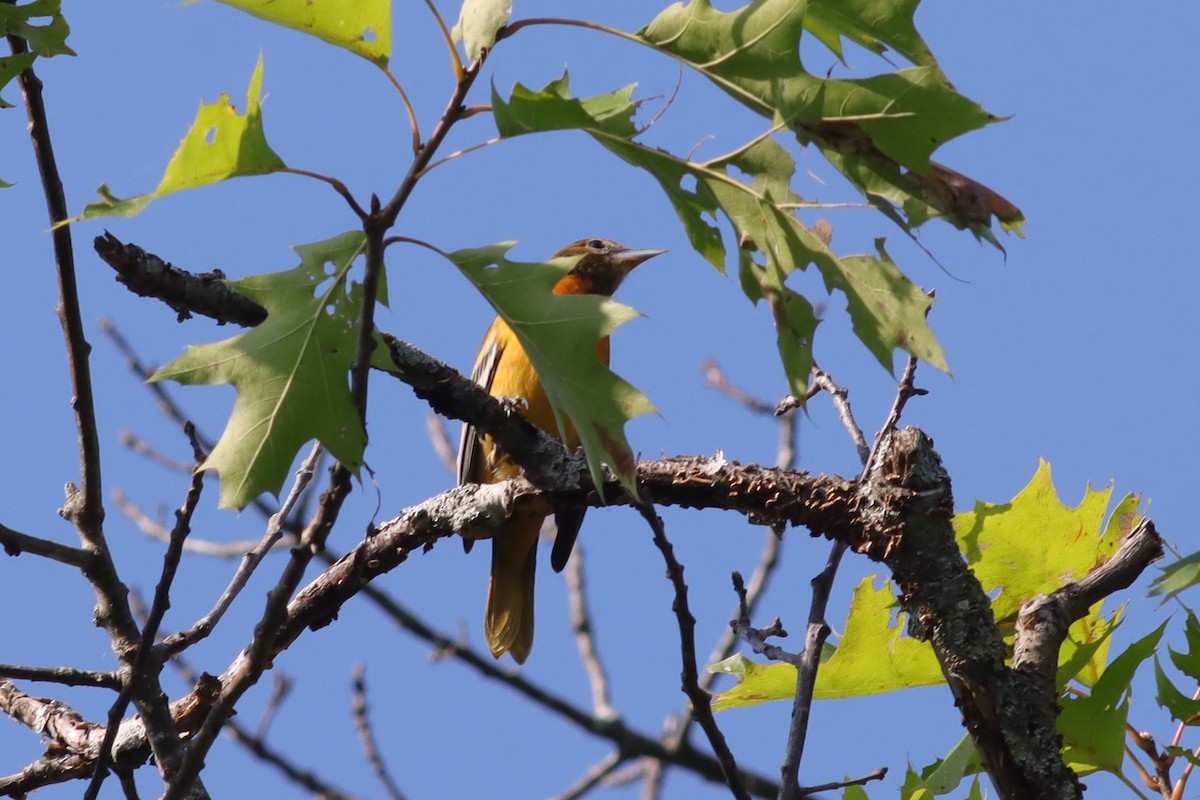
column 460, row 153
column 455, row 61
column 146, row 664
column 716, row 379
column 514, row 27
column 593, row 777
column 679, row 726
column 625, row 740
column 817, row 630
column 337, row 185
column 155, row 530
column 180, row 641
column 166, row 403
column 281, row 687
column 298, row 775
column 585, row 641
column 439, row 440
column 702, row 709
column 132, row 441
column 15, row 543
column 84, row 506
column 64, row 675
column 904, row 391
column 873, row 775
column 366, row 734
column 840, row 397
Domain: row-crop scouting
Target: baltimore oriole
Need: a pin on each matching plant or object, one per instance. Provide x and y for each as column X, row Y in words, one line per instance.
column 504, row 370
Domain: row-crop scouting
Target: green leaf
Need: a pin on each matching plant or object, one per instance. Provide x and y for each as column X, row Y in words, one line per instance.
column 10, row 68
column 1183, row 574
column 871, row 657
column 555, row 330
column 879, row 131
column 1093, row 726
column 875, row 655
column 1189, row 662
column 1183, row 707
column 45, row 40
column 220, row 144
column 772, row 242
column 756, row 683
column 1035, row 544
column 1085, row 650
column 364, row 27
column 887, row 308
column 478, row 23
column 1182, row 752
column 873, row 24
column 944, row 775
column 290, row 372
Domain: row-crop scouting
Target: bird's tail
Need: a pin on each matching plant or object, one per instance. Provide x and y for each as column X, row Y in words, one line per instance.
column 508, row 622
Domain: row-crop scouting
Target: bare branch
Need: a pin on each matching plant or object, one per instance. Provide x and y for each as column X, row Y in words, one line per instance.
column 15, row 543
column 716, row 379
column 166, row 403
column 593, row 777
column 701, row 708
column 624, row 739
column 84, row 506
column 441, row 444
column 63, row 675
column 904, row 391
column 144, row 448
column 366, row 735
column 146, row 665
column 581, row 625
column 1043, row 621
column 155, row 530
column 207, row 293
column 281, row 687
column 840, row 397
column 178, row 642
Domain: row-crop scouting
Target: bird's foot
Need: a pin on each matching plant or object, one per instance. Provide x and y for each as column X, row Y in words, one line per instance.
column 514, row 405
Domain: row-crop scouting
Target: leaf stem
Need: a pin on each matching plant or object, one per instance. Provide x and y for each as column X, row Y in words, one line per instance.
column 408, row 109
column 454, row 110
column 337, row 185
column 455, row 61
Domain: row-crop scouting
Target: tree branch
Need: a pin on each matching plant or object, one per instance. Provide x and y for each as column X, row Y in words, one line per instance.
column 84, row 506
column 689, row 676
column 208, row 293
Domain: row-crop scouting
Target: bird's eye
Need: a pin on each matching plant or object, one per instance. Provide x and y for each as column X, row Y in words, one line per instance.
column 596, row 244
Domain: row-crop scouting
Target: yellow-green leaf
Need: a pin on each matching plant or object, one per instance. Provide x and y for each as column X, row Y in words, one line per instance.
column 873, row 656
column 220, row 144
column 290, row 372
column 478, row 23
column 1035, row 544
column 364, row 27
column 560, row 334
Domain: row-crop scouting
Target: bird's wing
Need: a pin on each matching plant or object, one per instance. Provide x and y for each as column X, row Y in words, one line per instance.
column 470, row 453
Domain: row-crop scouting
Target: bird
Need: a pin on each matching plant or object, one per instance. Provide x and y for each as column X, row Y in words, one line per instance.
column 505, row 371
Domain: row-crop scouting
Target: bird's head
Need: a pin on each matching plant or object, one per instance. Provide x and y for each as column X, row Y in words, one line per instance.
column 601, row 268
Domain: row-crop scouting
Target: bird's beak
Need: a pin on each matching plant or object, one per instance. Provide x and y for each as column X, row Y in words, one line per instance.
column 631, row 258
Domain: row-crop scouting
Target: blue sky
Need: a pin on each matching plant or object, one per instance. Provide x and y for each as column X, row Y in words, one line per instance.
column 1077, row 348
